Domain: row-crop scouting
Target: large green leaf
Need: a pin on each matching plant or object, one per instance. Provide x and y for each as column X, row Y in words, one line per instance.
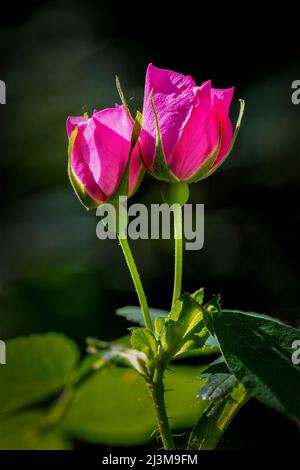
column 258, row 351
column 113, row 407
column 36, row 368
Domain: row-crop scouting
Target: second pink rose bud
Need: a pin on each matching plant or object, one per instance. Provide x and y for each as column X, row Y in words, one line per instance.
column 187, row 132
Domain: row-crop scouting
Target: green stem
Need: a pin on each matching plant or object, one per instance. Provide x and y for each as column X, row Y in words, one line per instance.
column 157, row 393
column 178, row 254
column 136, row 281
column 60, row 407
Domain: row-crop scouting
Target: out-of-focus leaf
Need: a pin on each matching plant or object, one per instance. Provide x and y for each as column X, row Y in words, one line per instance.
column 113, row 406
column 23, row 431
column 135, row 315
column 36, row 368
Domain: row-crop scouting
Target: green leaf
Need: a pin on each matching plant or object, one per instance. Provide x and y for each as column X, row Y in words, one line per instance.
column 144, row 341
column 37, row 367
column 134, row 314
column 210, row 347
column 159, row 324
column 219, row 381
column 216, row 418
column 199, row 296
column 112, row 407
column 258, row 351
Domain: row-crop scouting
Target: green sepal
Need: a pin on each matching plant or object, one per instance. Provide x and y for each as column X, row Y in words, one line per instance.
column 86, row 200
column 123, row 99
column 210, row 309
column 160, row 169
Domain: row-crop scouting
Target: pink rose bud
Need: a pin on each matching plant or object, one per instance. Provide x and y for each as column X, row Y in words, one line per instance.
column 187, row 132
column 104, row 159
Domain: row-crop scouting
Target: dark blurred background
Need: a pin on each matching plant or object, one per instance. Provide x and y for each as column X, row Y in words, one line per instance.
column 59, row 58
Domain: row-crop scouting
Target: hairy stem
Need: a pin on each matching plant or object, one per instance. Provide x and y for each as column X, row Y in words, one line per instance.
column 157, row 393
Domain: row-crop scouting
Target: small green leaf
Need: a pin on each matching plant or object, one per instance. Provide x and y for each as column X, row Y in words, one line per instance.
column 135, row 315
column 37, row 367
column 159, row 324
column 144, row 340
column 258, row 351
column 199, row 296
column 210, row 347
column 184, row 328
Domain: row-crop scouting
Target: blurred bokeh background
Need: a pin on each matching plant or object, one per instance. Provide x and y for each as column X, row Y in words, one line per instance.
column 59, row 58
